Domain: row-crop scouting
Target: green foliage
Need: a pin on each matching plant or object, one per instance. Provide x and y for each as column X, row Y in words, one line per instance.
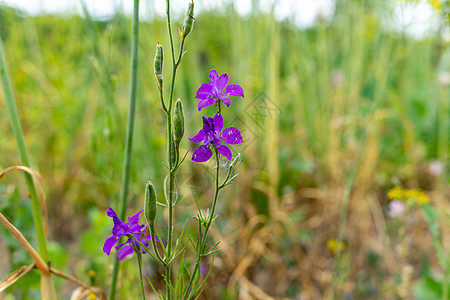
column 429, row 288
column 70, row 75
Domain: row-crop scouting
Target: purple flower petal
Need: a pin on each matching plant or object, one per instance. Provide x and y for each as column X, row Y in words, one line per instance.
column 234, row 90
column 148, row 238
column 225, row 151
column 232, row 135
column 213, row 76
column 218, row 122
column 206, row 88
column 205, row 103
column 120, row 229
column 221, row 82
column 199, row 137
column 134, row 219
column 111, row 213
column 124, row 252
column 109, row 243
column 203, row 96
column 122, row 244
column 217, row 140
column 201, row 154
column 227, row 102
column 135, row 228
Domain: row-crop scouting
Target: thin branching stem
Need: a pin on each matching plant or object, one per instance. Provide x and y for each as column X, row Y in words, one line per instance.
column 202, row 237
column 161, row 95
column 169, row 238
column 172, row 164
column 155, row 248
column 139, row 257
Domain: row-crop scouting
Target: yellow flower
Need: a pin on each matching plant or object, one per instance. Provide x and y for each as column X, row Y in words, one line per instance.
column 334, row 246
column 396, row 193
column 436, row 4
column 422, row 198
column 412, row 196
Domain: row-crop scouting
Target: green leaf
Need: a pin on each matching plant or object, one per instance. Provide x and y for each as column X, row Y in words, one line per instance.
column 429, row 288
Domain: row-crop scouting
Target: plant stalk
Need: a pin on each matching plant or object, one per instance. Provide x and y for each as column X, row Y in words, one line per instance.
column 201, row 248
column 47, row 284
column 129, row 134
column 23, row 153
column 139, row 257
column 172, row 167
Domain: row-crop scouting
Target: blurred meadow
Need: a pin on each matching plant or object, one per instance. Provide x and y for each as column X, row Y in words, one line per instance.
column 335, row 115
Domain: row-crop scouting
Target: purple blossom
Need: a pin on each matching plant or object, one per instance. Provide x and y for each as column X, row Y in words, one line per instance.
column 213, row 92
column 396, row 208
column 121, row 229
column 210, row 136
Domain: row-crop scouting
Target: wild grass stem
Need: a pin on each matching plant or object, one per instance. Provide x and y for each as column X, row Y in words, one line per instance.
column 129, row 134
column 23, row 153
column 47, row 285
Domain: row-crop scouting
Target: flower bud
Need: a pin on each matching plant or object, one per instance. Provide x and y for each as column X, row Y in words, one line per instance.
column 171, row 152
column 178, row 122
column 188, row 21
column 158, row 62
column 150, row 203
column 235, row 161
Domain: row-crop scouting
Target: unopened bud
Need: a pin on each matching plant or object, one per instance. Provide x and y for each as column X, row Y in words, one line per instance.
column 171, row 152
column 159, row 61
column 150, row 203
column 178, row 122
column 188, row 23
column 235, row 161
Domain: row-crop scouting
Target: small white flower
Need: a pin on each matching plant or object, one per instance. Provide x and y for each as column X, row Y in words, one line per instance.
column 444, row 78
column 436, row 168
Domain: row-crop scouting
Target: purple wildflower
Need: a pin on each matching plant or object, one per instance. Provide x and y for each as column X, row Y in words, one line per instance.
column 210, row 136
column 121, row 229
column 396, row 208
column 213, row 92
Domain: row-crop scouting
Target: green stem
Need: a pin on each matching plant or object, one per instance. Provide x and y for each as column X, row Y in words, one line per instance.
column 161, row 96
column 129, row 134
column 139, row 257
column 172, row 167
column 147, row 250
column 23, row 153
column 201, row 248
column 155, row 248
column 169, row 238
column 174, row 73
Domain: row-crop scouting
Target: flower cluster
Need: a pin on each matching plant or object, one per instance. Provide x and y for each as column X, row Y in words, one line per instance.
column 121, row 229
column 412, row 197
column 210, row 136
column 216, row 92
column 333, row 245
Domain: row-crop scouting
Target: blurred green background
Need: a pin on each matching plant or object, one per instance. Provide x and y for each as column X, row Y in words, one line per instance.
column 348, row 94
